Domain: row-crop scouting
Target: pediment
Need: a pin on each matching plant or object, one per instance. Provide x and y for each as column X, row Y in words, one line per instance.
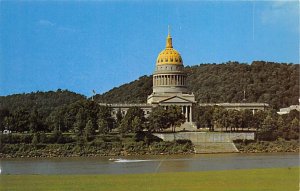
column 175, row 99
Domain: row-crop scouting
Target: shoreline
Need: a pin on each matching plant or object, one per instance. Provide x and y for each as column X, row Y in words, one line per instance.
column 138, row 155
column 59, row 151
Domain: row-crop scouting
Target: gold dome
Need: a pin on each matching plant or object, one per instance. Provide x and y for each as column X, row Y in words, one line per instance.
column 169, row 55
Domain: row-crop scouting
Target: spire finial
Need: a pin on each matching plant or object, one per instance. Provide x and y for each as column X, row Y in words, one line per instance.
column 169, row 39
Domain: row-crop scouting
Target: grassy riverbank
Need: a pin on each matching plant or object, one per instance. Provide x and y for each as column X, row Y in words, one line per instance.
column 279, row 145
column 16, row 146
column 247, row 180
column 114, row 144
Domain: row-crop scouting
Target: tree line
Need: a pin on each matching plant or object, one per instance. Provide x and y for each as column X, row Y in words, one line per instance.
column 86, row 118
column 268, row 125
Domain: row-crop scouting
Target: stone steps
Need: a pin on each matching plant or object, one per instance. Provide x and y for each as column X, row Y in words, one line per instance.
column 215, row 147
column 187, row 126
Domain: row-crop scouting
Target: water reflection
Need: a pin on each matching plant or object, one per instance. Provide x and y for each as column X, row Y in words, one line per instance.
column 147, row 164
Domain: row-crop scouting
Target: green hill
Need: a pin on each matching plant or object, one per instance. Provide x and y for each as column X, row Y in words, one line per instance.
column 43, row 102
column 269, row 82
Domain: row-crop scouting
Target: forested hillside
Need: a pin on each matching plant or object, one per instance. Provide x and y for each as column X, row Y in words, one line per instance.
column 273, row 83
column 133, row 92
column 43, row 102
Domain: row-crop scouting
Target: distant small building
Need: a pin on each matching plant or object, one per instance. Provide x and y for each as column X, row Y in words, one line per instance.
column 6, row 131
column 287, row 110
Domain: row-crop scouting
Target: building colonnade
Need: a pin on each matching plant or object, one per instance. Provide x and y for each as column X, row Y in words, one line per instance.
column 169, row 79
column 186, row 110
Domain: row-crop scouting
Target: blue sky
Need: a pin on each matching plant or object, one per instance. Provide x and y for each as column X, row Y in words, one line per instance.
column 86, row 45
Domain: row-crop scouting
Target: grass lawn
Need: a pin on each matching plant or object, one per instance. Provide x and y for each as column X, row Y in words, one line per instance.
column 281, row 179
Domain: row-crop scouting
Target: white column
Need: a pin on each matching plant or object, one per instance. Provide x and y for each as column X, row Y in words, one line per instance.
column 186, row 117
column 181, row 80
column 188, row 113
column 159, row 80
column 191, row 114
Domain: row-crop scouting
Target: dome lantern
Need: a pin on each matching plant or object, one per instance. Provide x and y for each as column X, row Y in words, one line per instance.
column 169, row 40
column 169, row 55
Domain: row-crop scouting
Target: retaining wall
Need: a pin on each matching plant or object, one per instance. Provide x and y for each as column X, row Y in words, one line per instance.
column 198, row 137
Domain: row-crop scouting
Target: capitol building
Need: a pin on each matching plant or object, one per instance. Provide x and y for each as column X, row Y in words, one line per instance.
column 170, row 88
column 169, row 82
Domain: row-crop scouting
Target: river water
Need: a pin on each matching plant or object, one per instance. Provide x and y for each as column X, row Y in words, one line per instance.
column 148, row 164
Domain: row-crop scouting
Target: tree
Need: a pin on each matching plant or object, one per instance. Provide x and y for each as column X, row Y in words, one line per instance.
column 21, row 120
column 9, row 122
column 294, row 129
column 224, row 120
column 35, row 139
column 127, row 122
column 175, row 117
column 102, row 126
column 89, row 130
column 204, row 117
column 136, row 124
column 268, row 129
column 124, row 126
column 258, row 118
column 218, row 117
column 161, row 118
column 58, row 119
column 247, row 119
column 35, row 123
column 158, row 119
column 105, row 121
column 80, row 122
column 4, row 113
column 282, row 130
column 119, row 117
column 57, row 136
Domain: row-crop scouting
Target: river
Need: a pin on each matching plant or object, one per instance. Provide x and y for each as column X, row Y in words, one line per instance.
column 148, row 164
